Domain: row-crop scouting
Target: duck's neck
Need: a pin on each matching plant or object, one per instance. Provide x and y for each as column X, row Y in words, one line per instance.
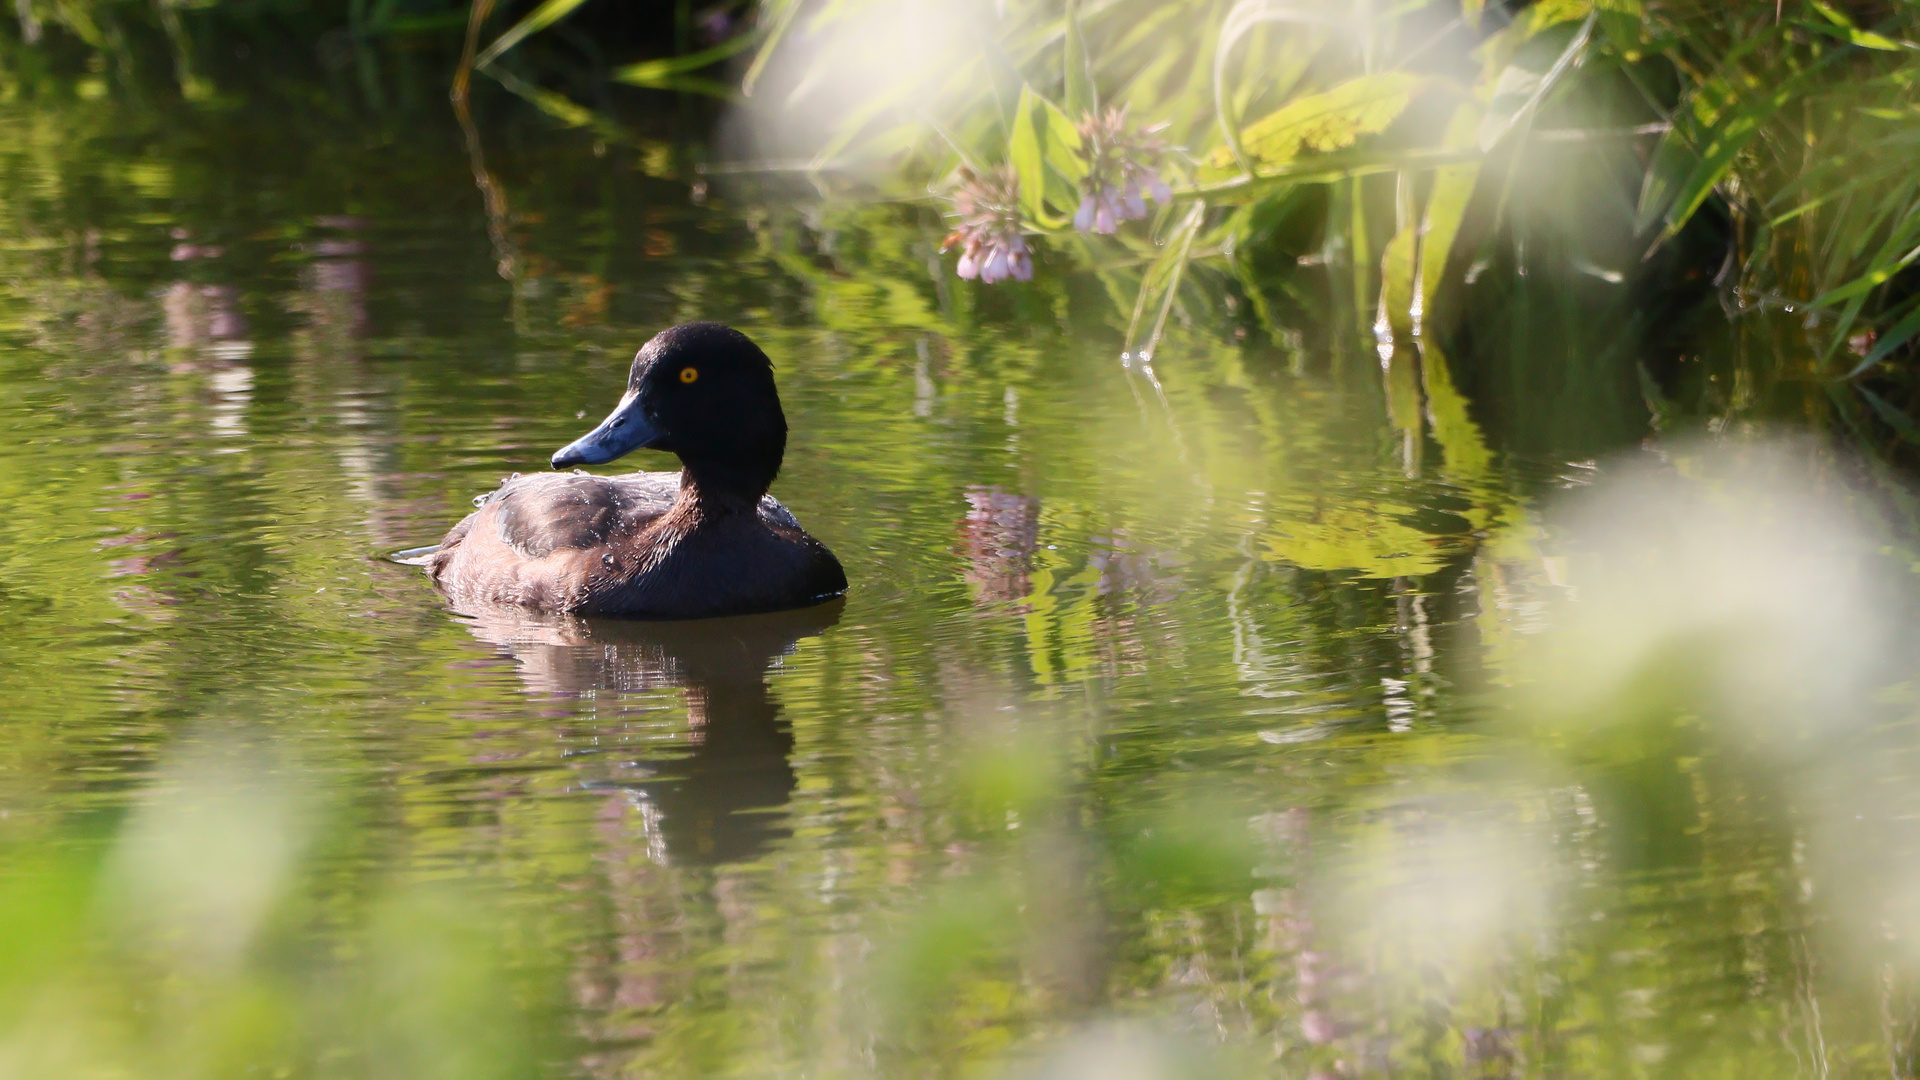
column 718, row 492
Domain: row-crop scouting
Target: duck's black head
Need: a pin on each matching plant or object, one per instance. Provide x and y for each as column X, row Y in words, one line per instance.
column 702, row 391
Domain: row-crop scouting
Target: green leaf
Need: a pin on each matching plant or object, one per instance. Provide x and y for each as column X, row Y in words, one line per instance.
column 1062, row 144
column 1526, row 81
column 1333, row 119
column 1900, row 422
column 782, row 19
column 1620, row 20
column 1082, row 97
column 539, row 19
column 1866, row 39
column 1708, row 135
column 1025, row 151
column 1680, row 177
column 1325, row 169
column 1447, row 206
column 1899, row 334
column 1547, row 13
column 1242, row 18
column 1399, row 264
column 1855, row 36
column 1867, row 282
column 1851, row 31
column 561, row 107
column 1162, row 280
column 659, row 73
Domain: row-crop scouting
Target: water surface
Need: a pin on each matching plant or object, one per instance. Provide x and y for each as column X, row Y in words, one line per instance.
column 1137, row 671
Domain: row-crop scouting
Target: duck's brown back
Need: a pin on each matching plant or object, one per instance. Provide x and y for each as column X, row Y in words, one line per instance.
column 571, row 542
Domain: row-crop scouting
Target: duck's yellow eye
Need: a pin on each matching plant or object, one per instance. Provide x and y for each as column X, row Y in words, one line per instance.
column 688, row 374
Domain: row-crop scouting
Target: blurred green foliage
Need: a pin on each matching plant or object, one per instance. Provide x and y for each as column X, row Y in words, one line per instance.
column 1547, row 197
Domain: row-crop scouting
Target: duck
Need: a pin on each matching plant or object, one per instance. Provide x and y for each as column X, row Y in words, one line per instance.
column 705, row 542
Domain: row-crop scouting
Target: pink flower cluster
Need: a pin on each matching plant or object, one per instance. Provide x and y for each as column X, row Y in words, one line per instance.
column 1123, row 169
column 988, row 232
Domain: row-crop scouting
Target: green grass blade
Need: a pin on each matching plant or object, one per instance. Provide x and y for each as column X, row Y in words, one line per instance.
column 537, row 20
column 782, row 21
column 658, row 72
column 1082, row 96
column 1897, row 335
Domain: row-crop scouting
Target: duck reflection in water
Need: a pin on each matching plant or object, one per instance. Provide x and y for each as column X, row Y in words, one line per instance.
column 719, row 803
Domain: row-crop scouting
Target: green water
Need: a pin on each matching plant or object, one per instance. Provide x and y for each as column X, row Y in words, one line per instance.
column 1132, row 666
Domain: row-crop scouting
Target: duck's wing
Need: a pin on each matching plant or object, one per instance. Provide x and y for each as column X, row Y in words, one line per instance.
column 549, row 512
column 539, row 539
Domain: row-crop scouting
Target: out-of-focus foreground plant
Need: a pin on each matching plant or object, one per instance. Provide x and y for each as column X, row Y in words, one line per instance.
column 184, row 944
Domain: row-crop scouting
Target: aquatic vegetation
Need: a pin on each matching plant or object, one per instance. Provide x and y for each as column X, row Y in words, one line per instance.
column 1740, row 149
column 1694, row 210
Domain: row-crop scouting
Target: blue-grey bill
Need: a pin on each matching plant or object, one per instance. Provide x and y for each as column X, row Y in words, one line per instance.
column 625, row 430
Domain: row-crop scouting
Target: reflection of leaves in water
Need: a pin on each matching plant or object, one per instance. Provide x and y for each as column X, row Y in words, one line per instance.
column 1362, row 536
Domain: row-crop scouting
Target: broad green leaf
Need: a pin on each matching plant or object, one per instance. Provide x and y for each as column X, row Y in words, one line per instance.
column 1681, row 177
column 1242, row 18
column 1866, row 39
column 1333, row 119
column 1325, row 169
column 1620, row 20
column 1672, row 162
column 79, row 19
column 1062, row 144
column 1043, row 149
column 1709, row 132
column 1028, row 157
column 1554, row 12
